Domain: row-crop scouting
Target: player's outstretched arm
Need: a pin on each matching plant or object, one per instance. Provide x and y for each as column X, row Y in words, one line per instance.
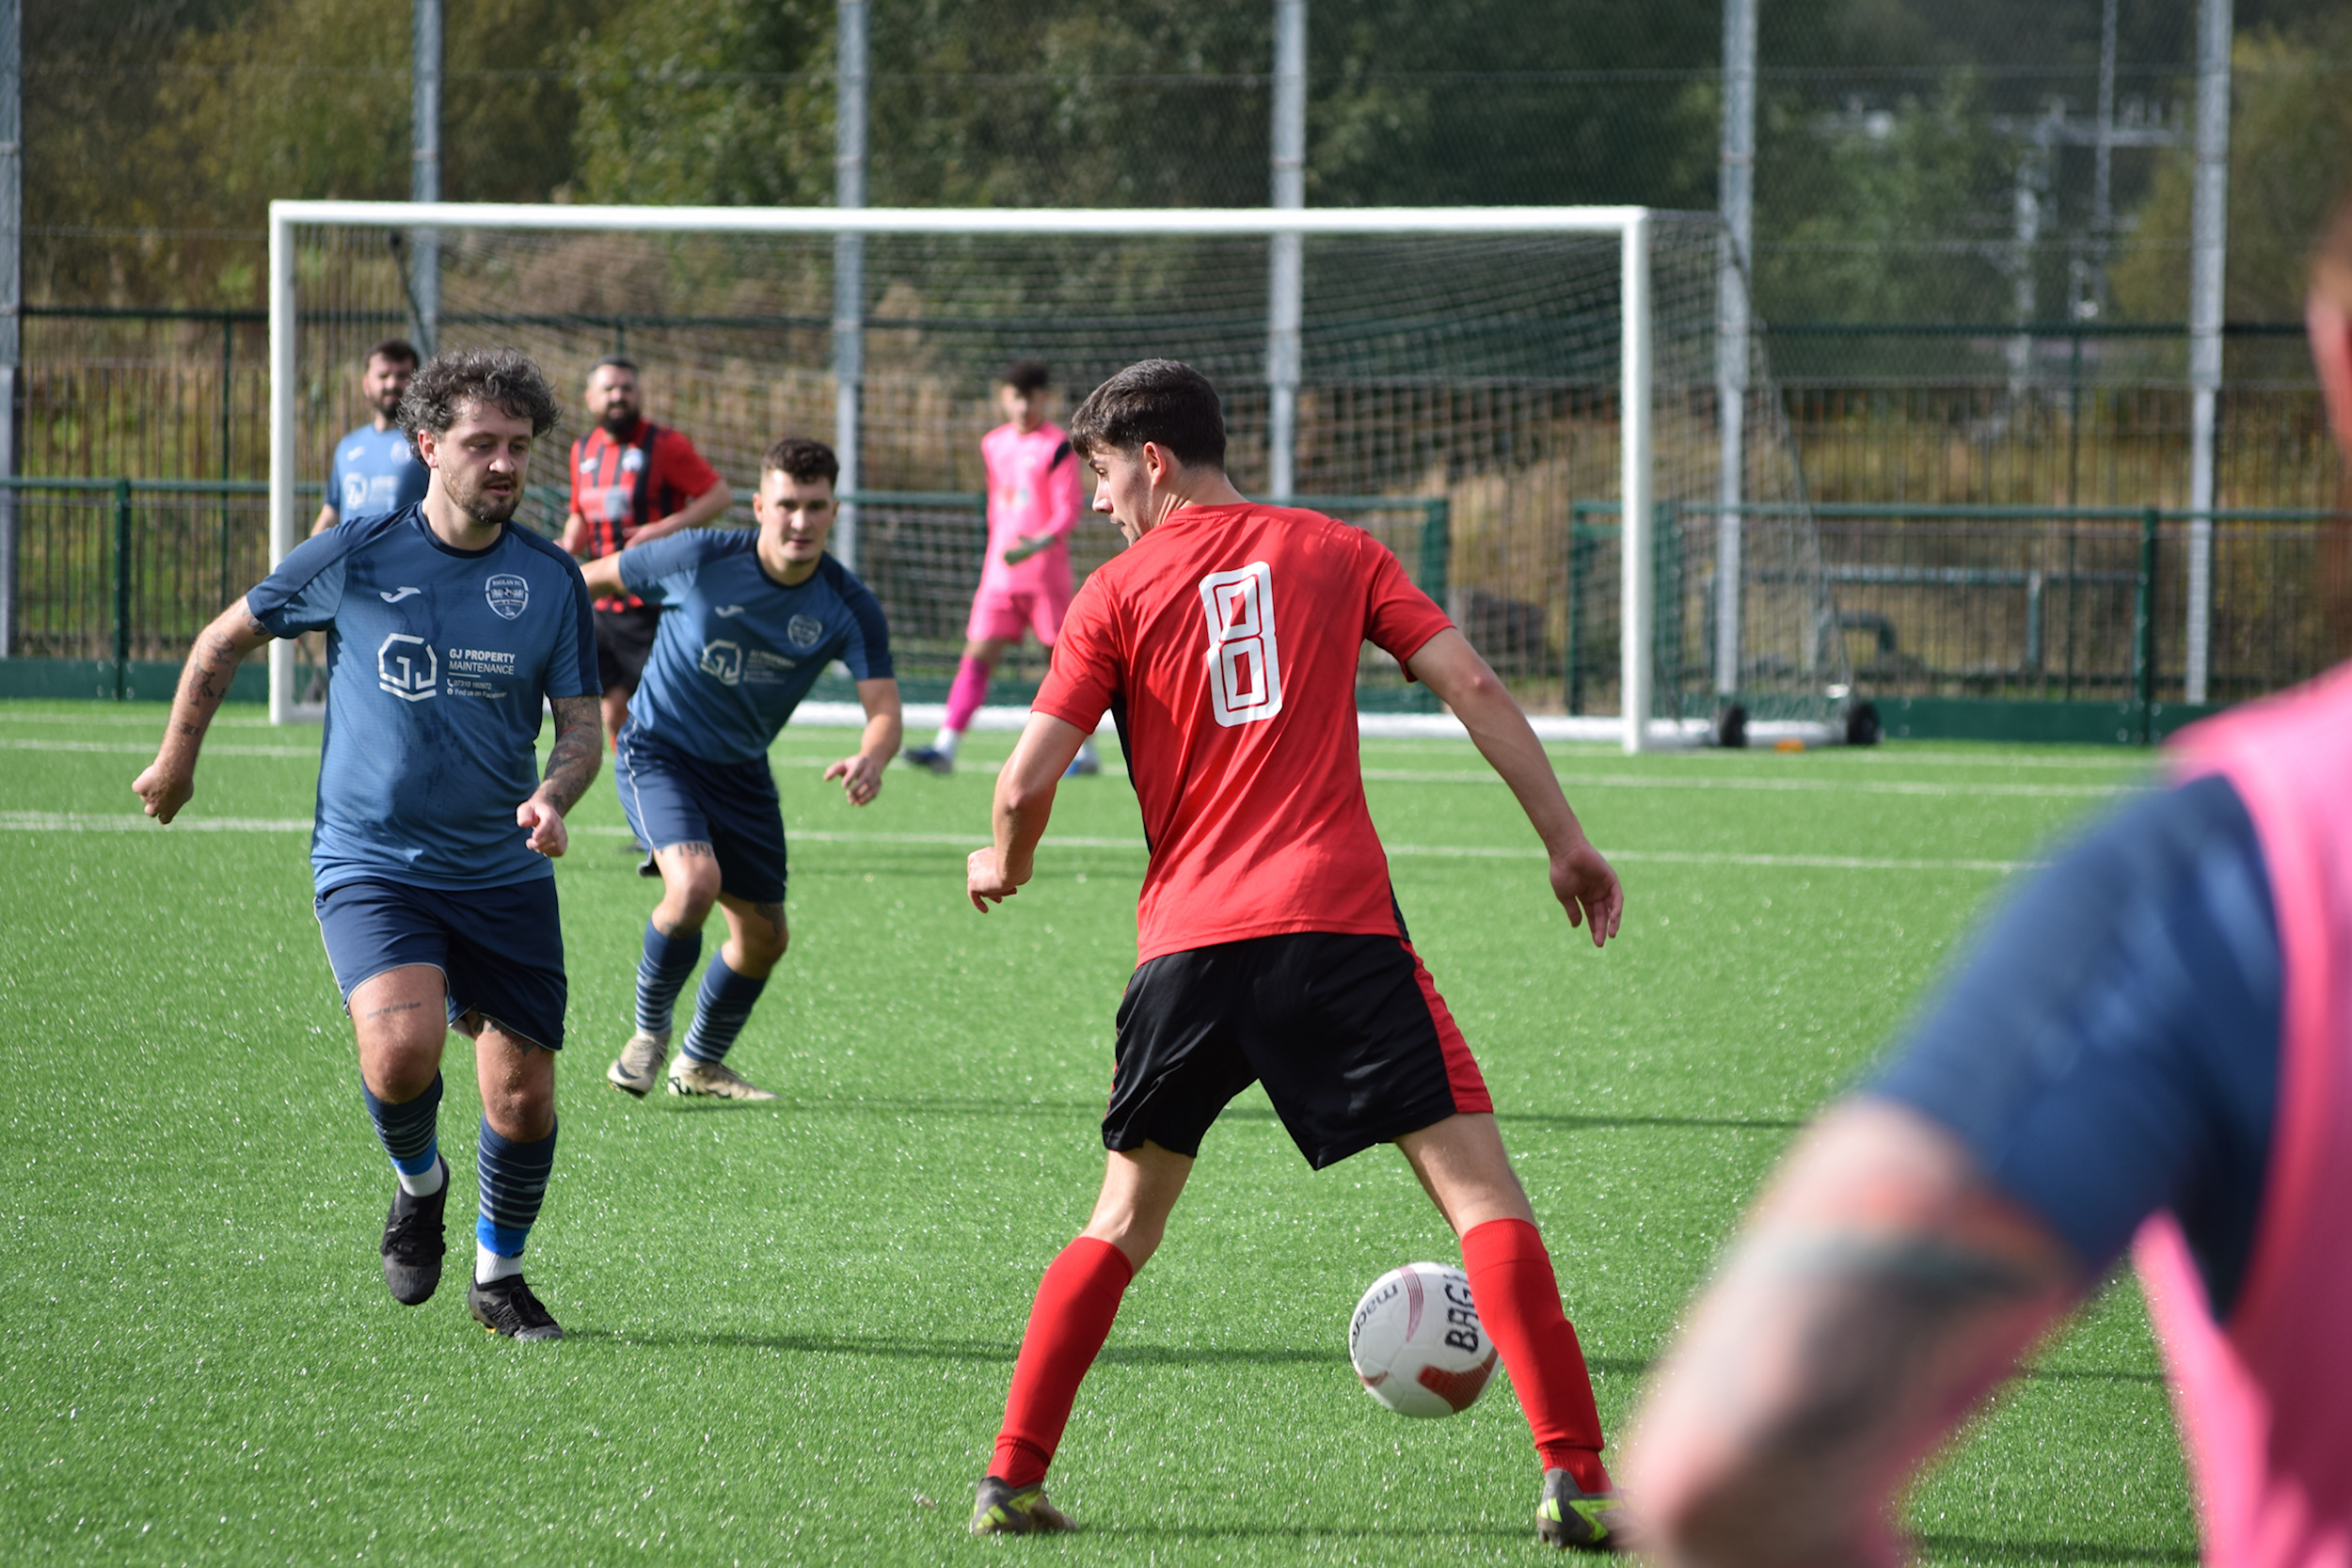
column 575, row 537
column 572, row 764
column 603, row 576
column 169, row 781
column 1025, row 801
column 861, row 776
column 694, row 513
column 1582, row 880
column 1878, row 1290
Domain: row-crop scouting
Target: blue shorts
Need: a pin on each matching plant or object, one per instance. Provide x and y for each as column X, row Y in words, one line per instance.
column 674, row 798
column 499, row 949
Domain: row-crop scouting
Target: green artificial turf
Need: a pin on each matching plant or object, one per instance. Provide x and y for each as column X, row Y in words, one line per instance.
column 790, row 1326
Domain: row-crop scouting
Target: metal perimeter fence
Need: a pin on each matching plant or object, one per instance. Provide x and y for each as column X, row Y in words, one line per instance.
column 2033, row 604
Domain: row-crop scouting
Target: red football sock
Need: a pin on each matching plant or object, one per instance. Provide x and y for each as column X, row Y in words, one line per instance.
column 1519, row 1301
column 1072, row 1317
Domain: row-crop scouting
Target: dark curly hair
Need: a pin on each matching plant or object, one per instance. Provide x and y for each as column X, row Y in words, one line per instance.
column 798, row 457
column 503, row 378
column 1162, row 400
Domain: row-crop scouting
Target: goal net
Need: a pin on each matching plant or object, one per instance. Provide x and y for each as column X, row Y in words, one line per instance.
column 1456, row 381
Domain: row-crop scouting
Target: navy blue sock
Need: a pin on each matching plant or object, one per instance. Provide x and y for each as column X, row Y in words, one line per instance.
column 513, row 1181
column 721, row 1010
column 661, row 974
column 407, row 1130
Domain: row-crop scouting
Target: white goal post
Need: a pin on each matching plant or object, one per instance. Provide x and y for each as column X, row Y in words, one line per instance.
column 1630, row 226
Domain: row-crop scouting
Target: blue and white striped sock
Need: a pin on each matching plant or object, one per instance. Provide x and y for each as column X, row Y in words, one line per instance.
column 721, row 1010
column 662, row 972
column 407, row 1130
column 513, row 1181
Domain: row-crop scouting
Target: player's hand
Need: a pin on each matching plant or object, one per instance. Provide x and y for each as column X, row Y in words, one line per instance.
column 548, row 836
column 860, row 776
column 1588, row 889
column 164, row 790
column 1029, row 546
column 986, row 882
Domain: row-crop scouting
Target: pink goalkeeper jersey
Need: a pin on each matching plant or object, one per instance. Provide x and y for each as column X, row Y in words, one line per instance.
column 2265, row 1399
column 1033, row 488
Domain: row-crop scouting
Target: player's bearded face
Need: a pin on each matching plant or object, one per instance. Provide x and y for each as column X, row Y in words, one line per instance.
column 613, row 397
column 385, row 383
column 480, row 461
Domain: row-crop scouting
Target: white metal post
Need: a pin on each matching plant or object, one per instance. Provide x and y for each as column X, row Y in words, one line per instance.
column 1736, row 197
column 281, row 441
column 1634, row 568
column 425, row 168
column 1285, row 260
column 11, row 293
column 849, row 266
column 2208, row 246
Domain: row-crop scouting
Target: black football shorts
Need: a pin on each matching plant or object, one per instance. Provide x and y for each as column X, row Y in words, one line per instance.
column 1348, row 1033
column 624, row 642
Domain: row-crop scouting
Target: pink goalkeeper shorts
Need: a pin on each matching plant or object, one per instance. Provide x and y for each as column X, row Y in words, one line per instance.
column 1000, row 614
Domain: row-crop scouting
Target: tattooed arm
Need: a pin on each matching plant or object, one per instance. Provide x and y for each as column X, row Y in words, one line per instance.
column 1880, row 1289
column 572, row 765
column 169, row 781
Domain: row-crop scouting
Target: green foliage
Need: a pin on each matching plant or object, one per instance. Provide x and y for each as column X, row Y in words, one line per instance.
column 1851, row 202
column 2290, row 152
column 716, row 101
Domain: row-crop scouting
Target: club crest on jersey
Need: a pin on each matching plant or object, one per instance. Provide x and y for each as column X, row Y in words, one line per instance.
column 802, row 631
column 722, row 663
column 508, row 595
column 407, row 668
column 632, row 460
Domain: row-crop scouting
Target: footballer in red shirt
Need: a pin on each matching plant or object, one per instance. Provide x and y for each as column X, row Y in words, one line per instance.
column 1224, row 643
column 633, row 483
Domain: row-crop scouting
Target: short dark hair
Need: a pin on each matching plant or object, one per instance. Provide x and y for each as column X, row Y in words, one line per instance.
column 502, row 378
column 1027, row 375
column 798, row 457
column 398, row 351
column 619, row 363
column 1165, row 401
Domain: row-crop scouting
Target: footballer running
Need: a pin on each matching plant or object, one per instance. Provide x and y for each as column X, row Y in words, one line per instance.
column 1270, row 947
column 749, row 619
column 448, row 630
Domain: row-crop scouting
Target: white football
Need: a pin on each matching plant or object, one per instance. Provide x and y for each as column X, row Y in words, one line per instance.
column 1417, row 1341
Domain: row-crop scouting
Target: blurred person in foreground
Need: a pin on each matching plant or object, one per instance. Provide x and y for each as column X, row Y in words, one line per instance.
column 2151, row 1045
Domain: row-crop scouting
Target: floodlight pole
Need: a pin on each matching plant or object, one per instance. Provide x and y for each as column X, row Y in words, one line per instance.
column 1636, row 554
column 12, row 293
column 424, row 165
column 2208, row 246
column 281, row 441
column 849, row 266
column 1285, row 262
column 1736, row 197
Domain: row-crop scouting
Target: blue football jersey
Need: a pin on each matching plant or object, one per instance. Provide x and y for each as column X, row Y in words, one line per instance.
column 737, row 650
column 441, row 658
column 375, row 472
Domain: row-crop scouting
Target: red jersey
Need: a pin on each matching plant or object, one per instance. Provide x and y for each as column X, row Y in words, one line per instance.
column 621, row 485
column 1225, row 640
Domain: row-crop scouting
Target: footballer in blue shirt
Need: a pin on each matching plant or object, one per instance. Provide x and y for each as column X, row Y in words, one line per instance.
column 374, row 470
column 447, row 630
column 751, row 618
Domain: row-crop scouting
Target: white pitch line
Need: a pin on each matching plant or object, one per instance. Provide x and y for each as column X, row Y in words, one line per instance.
column 1854, row 786
column 134, row 748
column 40, row 822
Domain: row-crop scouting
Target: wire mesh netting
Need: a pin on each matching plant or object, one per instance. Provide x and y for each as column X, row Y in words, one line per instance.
column 1463, row 383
